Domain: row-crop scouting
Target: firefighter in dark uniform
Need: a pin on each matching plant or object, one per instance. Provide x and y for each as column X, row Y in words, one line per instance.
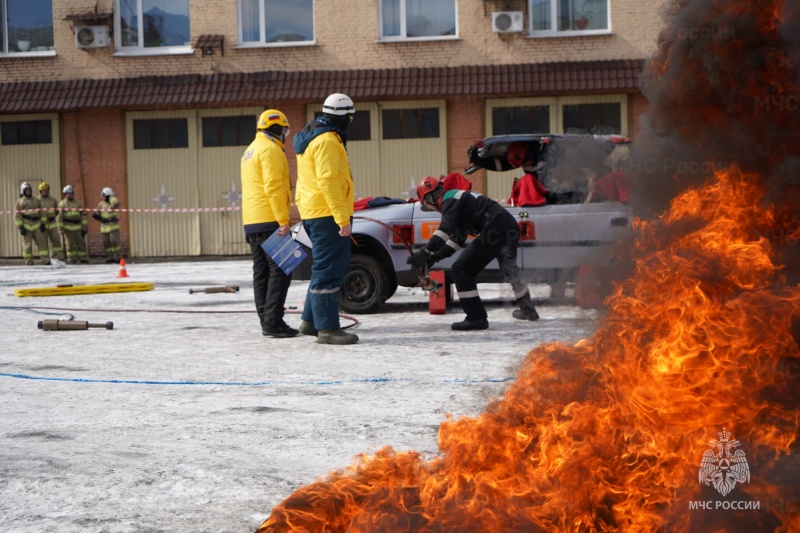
column 467, row 213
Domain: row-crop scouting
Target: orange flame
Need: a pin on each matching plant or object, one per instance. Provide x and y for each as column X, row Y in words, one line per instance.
column 608, row 434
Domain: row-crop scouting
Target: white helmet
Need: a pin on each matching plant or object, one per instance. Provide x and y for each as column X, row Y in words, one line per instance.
column 338, row 104
column 68, row 189
column 106, row 192
column 25, row 185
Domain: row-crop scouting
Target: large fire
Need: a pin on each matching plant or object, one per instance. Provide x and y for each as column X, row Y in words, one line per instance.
column 609, row 434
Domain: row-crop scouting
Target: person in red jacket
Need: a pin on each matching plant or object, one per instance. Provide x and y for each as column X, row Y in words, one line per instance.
column 527, row 190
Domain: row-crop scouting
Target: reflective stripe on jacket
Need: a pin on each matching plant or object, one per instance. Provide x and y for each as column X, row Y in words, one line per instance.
column 71, row 215
column 324, row 181
column 28, row 214
column 49, row 216
column 109, row 218
column 266, row 187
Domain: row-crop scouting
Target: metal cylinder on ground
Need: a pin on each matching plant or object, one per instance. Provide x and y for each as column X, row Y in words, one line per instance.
column 69, row 325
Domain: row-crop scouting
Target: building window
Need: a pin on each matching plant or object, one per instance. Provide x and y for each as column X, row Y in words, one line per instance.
column 522, row 119
column 26, row 26
column 595, row 118
column 228, row 131
column 360, row 129
column 556, row 17
column 276, row 21
column 160, row 133
column 26, row 132
column 152, row 24
column 409, row 19
column 410, row 123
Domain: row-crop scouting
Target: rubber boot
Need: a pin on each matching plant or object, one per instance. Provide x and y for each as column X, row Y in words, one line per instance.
column 470, row 325
column 336, row 336
column 526, row 311
column 307, row 328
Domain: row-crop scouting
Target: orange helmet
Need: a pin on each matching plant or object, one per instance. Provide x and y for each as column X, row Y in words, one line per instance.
column 427, row 186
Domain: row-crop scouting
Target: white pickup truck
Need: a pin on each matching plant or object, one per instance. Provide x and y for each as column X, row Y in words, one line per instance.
column 557, row 238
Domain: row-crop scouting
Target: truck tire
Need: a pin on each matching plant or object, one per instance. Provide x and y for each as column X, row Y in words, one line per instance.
column 366, row 286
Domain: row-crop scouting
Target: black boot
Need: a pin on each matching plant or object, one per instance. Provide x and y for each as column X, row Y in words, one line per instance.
column 526, row 311
column 470, row 325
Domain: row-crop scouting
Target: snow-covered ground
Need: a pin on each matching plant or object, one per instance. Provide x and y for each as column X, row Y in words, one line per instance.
column 185, row 418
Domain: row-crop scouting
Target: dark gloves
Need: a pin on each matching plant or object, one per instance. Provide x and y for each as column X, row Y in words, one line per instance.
column 83, row 233
column 22, row 231
column 97, row 216
column 419, row 260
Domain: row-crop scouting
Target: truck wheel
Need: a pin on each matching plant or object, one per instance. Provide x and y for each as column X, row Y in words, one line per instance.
column 365, row 286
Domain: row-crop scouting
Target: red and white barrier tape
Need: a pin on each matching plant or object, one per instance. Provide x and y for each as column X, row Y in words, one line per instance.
column 135, row 210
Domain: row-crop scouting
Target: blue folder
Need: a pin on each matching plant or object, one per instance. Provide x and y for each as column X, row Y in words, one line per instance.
column 284, row 251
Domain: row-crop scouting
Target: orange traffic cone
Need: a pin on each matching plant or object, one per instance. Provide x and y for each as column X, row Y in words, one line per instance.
column 123, row 272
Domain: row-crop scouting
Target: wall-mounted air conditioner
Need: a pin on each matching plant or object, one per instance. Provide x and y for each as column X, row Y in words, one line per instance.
column 507, row 21
column 91, row 36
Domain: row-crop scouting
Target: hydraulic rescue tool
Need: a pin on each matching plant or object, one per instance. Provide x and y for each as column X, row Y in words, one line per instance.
column 68, row 325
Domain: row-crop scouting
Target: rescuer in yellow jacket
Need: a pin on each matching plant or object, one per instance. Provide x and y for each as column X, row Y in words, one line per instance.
column 324, row 199
column 28, row 219
column 50, row 225
column 266, row 196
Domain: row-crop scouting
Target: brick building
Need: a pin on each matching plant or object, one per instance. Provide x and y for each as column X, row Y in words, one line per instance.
column 157, row 98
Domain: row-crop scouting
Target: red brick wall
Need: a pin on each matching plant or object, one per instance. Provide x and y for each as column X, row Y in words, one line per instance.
column 465, row 125
column 94, row 157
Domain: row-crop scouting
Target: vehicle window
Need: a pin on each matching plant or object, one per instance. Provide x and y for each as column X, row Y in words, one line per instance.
column 29, row 26
column 152, row 24
column 570, row 164
column 409, row 19
column 556, row 17
column 276, row 21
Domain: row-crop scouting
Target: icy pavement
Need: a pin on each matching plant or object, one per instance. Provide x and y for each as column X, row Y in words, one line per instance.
column 185, row 418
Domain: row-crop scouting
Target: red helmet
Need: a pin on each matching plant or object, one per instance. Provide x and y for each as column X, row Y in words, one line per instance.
column 427, row 186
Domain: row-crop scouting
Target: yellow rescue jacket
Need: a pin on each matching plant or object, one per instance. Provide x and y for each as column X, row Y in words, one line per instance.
column 109, row 216
column 324, row 181
column 266, row 188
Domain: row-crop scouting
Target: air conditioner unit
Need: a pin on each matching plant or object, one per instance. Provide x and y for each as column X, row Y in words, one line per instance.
column 507, row 21
column 91, row 36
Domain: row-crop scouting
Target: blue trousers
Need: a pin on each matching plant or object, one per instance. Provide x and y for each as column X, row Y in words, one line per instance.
column 330, row 261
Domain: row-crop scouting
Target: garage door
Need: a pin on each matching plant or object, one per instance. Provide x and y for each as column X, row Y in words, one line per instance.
column 394, row 145
column 29, row 151
column 183, row 174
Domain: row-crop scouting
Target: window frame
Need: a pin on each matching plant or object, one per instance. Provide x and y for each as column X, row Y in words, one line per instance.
column 262, row 29
column 140, row 49
column 554, row 32
column 170, row 121
column 403, row 37
column 5, row 45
